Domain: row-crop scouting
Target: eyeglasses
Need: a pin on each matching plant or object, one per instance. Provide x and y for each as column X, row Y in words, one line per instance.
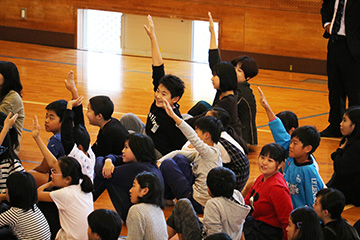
column 53, row 172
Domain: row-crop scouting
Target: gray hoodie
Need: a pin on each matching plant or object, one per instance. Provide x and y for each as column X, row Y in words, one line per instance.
column 225, row 215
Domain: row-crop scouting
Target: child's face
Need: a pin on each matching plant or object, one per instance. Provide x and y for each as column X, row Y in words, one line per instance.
column 163, row 93
column 268, row 166
column 57, row 177
column 240, row 73
column 291, row 230
column 346, row 126
column 216, row 82
column 296, row 148
column 200, row 134
column 1, row 80
column 127, row 154
column 90, row 114
column 318, row 208
column 52, row 122
column 136, row 191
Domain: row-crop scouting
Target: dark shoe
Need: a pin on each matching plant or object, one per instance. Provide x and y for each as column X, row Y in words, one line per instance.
column 330, row 132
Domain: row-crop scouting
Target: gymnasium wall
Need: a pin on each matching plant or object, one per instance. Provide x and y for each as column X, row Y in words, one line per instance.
column 280, row 34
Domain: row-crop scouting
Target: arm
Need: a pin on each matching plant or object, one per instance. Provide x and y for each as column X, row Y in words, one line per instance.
column 44, row 196
column 135, row 224
column 312, row 183
column 8, row 123
column 50, row 159
column 78, row 112
column 263, row 102
column 346, row 160
column 214, row 56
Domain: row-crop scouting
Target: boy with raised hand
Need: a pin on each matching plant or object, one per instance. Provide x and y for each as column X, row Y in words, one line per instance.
column 159, row 126
column 329, row 205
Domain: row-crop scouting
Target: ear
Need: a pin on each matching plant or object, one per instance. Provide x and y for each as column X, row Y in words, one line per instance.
column 143, row 191
column 291, row 130
column 209, row 192
column 68, row 180
column 308, row 148
column 207, row 135
column 281, row 165
column 175, row 100
column 99, row 116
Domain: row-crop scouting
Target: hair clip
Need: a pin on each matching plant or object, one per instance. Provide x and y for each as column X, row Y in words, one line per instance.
column 298, row 224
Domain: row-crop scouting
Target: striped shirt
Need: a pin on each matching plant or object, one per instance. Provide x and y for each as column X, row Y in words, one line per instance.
column 26, row 225
column 6, row 168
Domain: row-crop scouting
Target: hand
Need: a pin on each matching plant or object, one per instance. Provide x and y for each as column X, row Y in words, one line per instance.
column 150, row 29
column 10, row 121
column 36, row 127
column 344, row 144
column 108, row 168
column 168, row 108
column 327, row 28
column 262, row 99
column 70, row 82
column 211, row 23
column 75, row 102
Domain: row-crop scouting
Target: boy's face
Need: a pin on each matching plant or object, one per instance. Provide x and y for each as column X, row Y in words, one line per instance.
column 297, row 149
column 318, row 208
column 52, row 122
column 163, row 93
column 201, row 134
column 90, row 114
column 239, row 73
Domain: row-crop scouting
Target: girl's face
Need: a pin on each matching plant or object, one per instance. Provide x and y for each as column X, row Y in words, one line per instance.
column 346, row 126
column 268, row 166
column 291, row 230
column 136, row 191
column 128, row 155
column 240, row 73
column 57, row 177
column 216, row 82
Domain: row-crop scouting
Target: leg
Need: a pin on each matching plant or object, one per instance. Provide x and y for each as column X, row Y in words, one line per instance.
column 119, row 197
column 99, row 180
column 132, row 123
column 184, row 220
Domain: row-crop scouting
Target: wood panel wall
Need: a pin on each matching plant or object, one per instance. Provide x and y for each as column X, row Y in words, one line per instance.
column 282, row 28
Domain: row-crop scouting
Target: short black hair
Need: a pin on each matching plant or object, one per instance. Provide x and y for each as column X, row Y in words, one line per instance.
column 275, row 151
column 106, row 223
column 102, row 105
column 307, row 221
column 308, row 135
column 59, row 107
column 142, row 147
column 11, row 79
column 22, row 190
column 289, row 119
column 81, row 136
column 211, row 125
column 174, row 84
column 332, row 200
column 221, row 182
column 218, row 236
column 248, row 65
column 155, row 195
column 227, row 76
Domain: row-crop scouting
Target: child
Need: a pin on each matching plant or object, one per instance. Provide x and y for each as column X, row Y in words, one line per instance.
column 24, row 217
column 269, row 197
column 146, row 220
column 329, row 205
column 185, row 174
column 74, row 198
column 10, row 96
column 111, row 136
column 346, row 158
column 53, row 119
column 246, row 68
column 138, row 155
column 304, row 224
column 224, row 212
column 104, row 225
column 9, row 161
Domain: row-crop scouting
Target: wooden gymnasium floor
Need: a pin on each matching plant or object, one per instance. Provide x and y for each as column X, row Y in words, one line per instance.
column 127, row 81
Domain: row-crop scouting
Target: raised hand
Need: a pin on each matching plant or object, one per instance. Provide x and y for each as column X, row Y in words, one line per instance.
column 262, row 99
column 10, row 120
column 150, row 29
column 36, row 127
column 211, row 23
column 75, row 102
column 70, row 85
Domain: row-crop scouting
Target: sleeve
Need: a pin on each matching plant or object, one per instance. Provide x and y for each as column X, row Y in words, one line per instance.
column 115, row 159
column 158, row 73
column 190, row 155
column 311, row 184
column 55, row 147
column 214, row 57
column 212, row 219
column 279, row 133
column 8, row 217
column 78, row 115
column 61, row 198
column 135, row 224
column 346, row 161
column 6, row 105
column 327, row 11
column 67, row 135
column 281, row 200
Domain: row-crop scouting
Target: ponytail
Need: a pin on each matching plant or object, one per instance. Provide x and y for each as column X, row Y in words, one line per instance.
column 86, row 184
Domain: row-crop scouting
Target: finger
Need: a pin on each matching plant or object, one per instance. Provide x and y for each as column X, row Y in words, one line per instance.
column 14, row 117
column 260, row 92
column 210, row 17
column 8, row 116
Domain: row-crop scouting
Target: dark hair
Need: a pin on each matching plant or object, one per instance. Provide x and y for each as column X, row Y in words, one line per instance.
column 70, row 167
column 224, row 117
column 354, row 115
column 308, row 135
column 59, row 107
column 22, row 190
column 6, row 233
column 174, row 84
column 10, row 142
column 142, row 147
column 81, row 136
column 106, row 223
column 307, row 221
column 332, row 200
column 102, row 105
column 227, row 76
column 218, row 236
column 248, row 65
column 221, row 182
column 155, row 195
column 288, row 119
column 275, row 151
column 210, row 124
column 11, row 79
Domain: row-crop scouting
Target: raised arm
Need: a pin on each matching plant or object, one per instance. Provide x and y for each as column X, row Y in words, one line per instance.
column 78, row 111
column 8, row 123
column 265, row 105
column 50, row 159
column 155, row 50
column 212, row 33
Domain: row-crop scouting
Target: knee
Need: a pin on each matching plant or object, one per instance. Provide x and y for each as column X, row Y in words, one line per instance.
column 99, row 164
column 166, row 165
column 183, row 203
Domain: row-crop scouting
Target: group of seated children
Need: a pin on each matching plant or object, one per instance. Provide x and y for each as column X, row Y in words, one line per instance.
column 201, row 161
